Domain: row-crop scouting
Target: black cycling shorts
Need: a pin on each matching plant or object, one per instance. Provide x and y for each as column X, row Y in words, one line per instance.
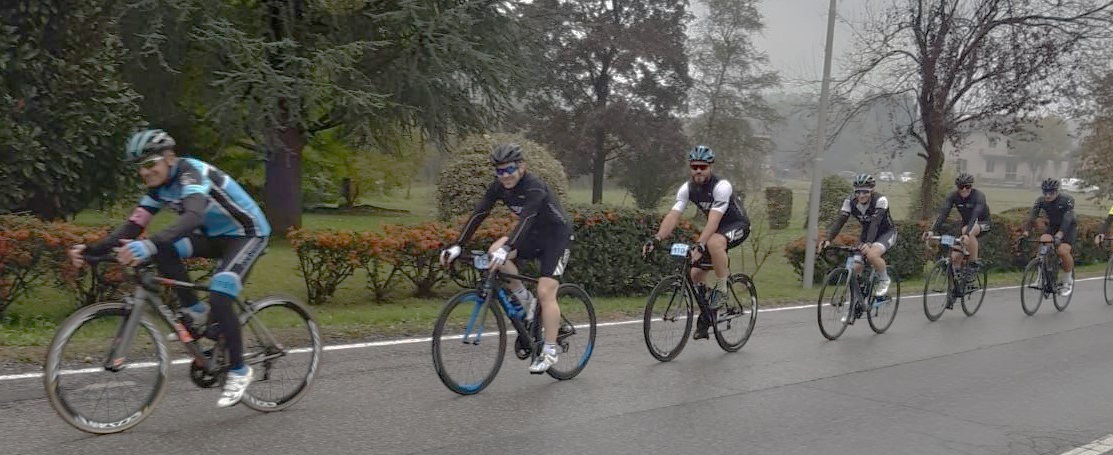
column 736, row 233
column 551, row 250
column 1068, row 236
column 886, row 240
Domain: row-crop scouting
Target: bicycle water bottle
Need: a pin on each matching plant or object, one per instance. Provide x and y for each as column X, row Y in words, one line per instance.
column 514, row 309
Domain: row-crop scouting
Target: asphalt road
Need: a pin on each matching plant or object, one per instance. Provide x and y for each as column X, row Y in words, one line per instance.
column 996, row 383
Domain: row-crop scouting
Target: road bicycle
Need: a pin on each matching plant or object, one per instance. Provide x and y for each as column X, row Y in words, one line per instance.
column 472, row 325
column 947, row 283
column 847, row 296
column 668, row 310
column 108, row 365
column 1040, row 280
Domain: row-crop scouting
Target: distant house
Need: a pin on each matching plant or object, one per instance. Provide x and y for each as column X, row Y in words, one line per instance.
column 987, row 157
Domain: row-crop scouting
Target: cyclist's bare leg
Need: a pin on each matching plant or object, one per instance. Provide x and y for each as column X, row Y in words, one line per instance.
column 1065, row 257
column 972, row 241
column 717, row 248
column 875, row 258
column 550, row 311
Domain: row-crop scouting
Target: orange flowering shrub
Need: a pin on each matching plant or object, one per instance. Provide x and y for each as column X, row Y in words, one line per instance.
column 327, row 258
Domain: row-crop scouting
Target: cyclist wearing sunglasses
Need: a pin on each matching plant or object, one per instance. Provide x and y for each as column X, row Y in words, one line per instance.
column 879, row 233
column 543, row 232
column 973, row 210
column 727, row 226
column 1059, row 209
column 216, row 219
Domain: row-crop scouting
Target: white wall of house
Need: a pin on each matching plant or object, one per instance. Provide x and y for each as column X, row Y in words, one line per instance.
column 986, row 156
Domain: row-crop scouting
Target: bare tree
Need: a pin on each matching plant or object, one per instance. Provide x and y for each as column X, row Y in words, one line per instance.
column 960, row 65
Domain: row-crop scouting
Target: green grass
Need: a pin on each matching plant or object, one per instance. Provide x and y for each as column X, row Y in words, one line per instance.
column 352, row 314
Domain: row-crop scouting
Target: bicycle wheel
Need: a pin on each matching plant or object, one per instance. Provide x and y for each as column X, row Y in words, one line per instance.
column 1061, row 301
column 462, row 334
column 96, row 399
column 834, row 302
column 735, row 319
column 668, row 319
column 576, row 338
column 282, row 344
column 883, row 310
column 1031, row 287
column 975, row 292
column 1108, row 282
column 938, row 291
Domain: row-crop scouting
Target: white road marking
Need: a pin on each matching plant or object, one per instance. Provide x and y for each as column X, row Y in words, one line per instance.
column 1098, row 447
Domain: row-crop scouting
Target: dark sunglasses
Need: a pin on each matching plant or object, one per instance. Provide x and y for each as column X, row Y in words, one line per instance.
column 506, row 170
column 1049, row 192
column 150, row 162
column 699, row 167
column 862, row 191
column 965, row 187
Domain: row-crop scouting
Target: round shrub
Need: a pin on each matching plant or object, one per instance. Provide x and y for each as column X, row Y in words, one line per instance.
column 465, row 178
column 779, row 202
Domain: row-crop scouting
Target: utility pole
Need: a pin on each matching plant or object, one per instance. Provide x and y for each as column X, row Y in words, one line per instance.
column 817, row 159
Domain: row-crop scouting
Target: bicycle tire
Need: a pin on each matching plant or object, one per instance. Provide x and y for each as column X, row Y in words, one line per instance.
column 1060, row 301
column 570, row 342
column 881, row 316
column 84, row 359
column 443, row 334
column 1031, row 296
column 678, row 309
column 938, row 291
column 973, row 298
column 279, row 332
column 1108, row 282
column 838, row 280
column 737, row 309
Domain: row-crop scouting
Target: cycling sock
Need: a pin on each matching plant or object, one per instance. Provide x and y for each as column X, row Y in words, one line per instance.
column 550, row 348
column 883, row 275
column 522, row 294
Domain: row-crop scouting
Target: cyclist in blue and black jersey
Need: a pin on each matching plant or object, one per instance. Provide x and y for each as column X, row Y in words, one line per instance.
column 543, row 232
column 1059, row 209
column 727, row 226
column 216, row 219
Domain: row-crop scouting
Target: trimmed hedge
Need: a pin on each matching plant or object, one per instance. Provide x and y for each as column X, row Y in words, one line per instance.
column 465, row 178
column 778, row 200
column 832, row 191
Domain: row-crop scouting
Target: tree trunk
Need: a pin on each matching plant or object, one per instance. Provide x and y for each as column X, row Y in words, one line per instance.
column 282, row 190
column 42, row 205
column 598, row 166
column 930, row 182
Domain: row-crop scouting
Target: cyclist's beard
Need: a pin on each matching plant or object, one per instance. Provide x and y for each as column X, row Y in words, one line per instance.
column 701, row 178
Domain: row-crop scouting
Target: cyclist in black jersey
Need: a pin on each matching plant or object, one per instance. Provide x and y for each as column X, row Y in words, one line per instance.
column 727, row 225
column 973, row 210
column 1059, row 209
column 543, row 232
column 879, row 233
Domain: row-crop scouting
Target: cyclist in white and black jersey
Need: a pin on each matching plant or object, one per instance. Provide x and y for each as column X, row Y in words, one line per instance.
column 543, row 232
column 727, row 225
column 879, row 233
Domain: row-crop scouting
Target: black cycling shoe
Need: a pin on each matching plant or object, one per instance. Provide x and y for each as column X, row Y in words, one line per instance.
column 702, row 325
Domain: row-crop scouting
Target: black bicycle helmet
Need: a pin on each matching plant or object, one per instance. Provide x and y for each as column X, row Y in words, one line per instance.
column 1050, row 185
column 964, row 179
column 506, row 153
column 864, row 181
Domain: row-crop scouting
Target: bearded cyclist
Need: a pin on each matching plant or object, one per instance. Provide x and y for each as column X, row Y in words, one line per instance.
column 727, row 226
column 216, row 219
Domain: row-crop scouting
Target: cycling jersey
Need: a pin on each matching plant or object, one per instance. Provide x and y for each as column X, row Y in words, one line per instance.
column 1060, row 214
column 1108, row 219
column 873, row 216
column 229, row 212
column 973, row 210
column 714, row 195
column 537, row 208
